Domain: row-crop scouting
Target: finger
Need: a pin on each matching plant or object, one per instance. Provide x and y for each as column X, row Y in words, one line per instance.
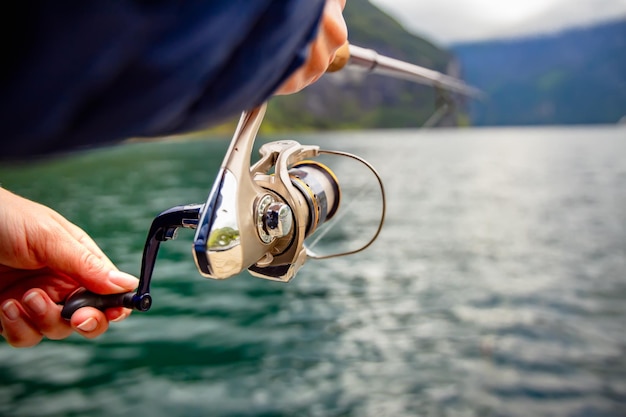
column 45, row 315
column 16, row 327
column 120, row 279
column 50, row 221
column 340, row 59
column 117, row 314
column 333, row 34
column 89, row 322
column 70, row 257
column 85, row 240
column 56, row 286
column 334, row 25
column 315, row 66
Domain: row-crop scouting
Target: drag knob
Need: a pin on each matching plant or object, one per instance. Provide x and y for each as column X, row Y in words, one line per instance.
column 278, row 220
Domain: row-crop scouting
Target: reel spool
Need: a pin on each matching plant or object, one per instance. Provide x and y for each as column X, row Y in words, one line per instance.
column 320, row 188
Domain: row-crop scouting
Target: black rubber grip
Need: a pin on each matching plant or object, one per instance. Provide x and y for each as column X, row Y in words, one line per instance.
column 83, row 298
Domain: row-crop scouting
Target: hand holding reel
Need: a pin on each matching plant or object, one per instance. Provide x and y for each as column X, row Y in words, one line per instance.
column 256, row 217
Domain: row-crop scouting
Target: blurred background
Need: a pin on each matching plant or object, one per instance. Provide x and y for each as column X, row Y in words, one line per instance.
column 496, row 288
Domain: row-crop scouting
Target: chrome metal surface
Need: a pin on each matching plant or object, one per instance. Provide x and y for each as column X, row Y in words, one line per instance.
column 261, row 210
column 278, row 220
column 223, row 245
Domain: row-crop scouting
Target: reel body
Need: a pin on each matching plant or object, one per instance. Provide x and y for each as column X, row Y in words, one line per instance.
column 257, row 217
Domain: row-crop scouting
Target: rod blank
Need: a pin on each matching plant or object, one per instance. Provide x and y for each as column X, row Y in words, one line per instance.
column 372, row 62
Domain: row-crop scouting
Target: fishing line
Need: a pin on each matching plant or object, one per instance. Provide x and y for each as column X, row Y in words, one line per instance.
column 312, row 255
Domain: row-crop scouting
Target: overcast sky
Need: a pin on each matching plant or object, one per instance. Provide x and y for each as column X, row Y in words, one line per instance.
column 449, row 21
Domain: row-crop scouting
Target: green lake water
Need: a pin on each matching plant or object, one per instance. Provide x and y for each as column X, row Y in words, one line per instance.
column 497, row 288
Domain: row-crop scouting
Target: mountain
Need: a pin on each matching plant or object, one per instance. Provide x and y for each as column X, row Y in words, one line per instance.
column 345, row 100
column 574, row 77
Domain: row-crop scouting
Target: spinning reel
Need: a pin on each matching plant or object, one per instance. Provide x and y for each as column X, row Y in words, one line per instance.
column 256, row 217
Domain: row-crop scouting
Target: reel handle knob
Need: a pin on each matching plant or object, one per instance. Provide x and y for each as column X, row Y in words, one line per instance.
column 84, row 298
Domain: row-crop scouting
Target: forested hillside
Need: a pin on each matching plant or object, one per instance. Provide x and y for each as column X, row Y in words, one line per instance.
column 345, row 100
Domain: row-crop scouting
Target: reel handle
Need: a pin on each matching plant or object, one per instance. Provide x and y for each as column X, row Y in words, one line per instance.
column 84, row 298
column 164, row 227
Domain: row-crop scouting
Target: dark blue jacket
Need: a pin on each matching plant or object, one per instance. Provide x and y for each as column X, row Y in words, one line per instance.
column 92, row 72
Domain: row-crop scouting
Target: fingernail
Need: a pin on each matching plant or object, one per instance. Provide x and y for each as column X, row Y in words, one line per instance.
column 10, row 310
column 121, row 317
column 123, row 280
column 88, row 325
column 35, row 302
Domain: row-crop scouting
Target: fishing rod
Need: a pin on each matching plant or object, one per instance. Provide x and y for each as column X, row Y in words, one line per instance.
column 370, row 61
column 259, row 217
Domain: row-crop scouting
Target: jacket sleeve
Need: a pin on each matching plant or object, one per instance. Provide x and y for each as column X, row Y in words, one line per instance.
column 91, row 72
